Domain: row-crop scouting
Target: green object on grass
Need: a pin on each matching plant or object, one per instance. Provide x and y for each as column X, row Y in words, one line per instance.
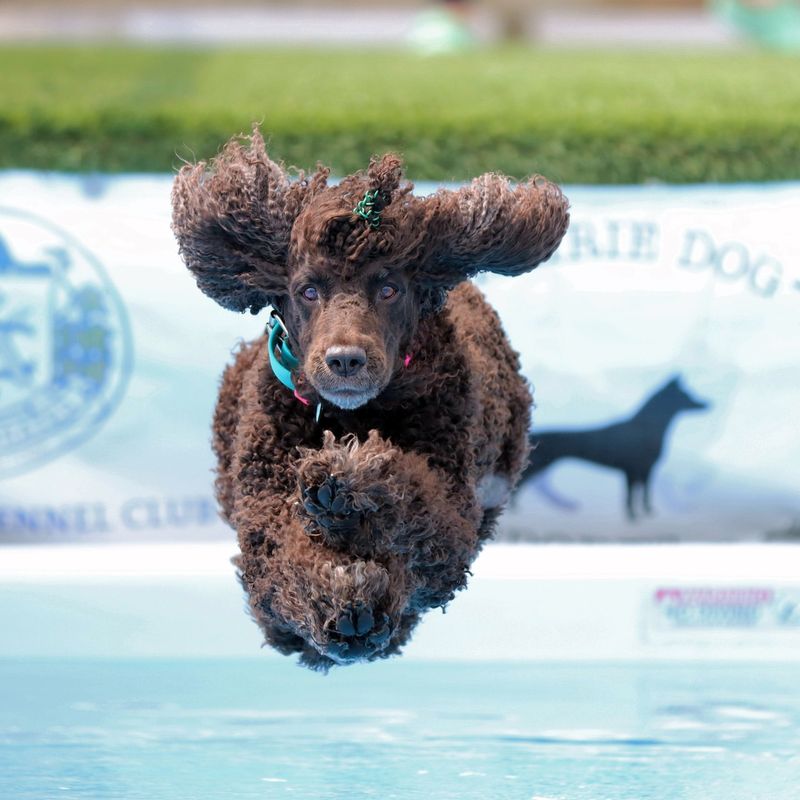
column 575, row 116
column 775, row 24
column 437, row 30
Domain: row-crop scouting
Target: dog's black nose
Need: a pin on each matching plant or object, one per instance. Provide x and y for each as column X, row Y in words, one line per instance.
column 345, row 361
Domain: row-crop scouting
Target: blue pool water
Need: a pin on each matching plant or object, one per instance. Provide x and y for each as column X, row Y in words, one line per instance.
column 201, row 730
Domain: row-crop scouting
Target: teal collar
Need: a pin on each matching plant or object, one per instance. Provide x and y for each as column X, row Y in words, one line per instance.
column 281, row 358
column 279, row 340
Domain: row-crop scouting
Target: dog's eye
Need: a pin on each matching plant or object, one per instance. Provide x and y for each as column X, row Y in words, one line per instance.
column 388, row 292
column 310, row 293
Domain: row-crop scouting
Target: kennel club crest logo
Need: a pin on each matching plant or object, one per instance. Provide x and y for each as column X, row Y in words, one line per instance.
column 65, row 346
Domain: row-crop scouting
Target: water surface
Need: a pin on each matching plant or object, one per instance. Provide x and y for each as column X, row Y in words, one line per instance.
column 205, row 729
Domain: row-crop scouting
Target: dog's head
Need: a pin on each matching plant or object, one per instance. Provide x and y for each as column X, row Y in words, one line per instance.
column 353, row 267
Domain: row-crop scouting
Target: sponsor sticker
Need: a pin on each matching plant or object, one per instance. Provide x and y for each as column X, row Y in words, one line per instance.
column 685, row 608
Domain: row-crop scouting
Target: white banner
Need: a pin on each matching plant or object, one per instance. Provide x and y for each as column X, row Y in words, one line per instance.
column 663, row 343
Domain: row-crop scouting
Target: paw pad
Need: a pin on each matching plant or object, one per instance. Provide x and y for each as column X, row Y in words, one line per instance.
column 358, row 633
column 330, row 506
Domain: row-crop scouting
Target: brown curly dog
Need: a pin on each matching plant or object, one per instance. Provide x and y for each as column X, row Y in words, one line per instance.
column 365, row 460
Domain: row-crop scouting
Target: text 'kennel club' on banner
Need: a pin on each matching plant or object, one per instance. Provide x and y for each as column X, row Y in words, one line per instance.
column 662, row 342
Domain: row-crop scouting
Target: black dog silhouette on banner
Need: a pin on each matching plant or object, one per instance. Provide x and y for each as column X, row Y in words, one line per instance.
column 633, row 445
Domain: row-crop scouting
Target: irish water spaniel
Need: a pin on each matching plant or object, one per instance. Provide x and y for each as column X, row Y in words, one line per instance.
column 366, row 459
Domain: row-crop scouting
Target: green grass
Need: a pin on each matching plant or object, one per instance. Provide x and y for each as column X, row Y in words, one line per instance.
column 577, row 117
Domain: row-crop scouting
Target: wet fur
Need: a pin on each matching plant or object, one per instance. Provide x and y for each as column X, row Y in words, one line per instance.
column 414, row 463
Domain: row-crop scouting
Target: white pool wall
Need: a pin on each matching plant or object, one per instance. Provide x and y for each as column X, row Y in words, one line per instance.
column 524, row 602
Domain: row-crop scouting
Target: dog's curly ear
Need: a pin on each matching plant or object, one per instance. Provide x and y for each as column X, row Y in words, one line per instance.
column 492, row 225
column 233, row 220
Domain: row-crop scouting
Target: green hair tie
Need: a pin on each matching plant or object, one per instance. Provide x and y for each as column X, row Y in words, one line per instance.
column 366, row 209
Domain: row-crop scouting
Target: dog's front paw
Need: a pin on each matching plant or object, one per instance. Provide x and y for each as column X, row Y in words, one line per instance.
column 331, row 506
column 359, row 633
column 342, row 487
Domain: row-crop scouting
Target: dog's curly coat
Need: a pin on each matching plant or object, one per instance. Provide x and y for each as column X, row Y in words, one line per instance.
column 353, row 526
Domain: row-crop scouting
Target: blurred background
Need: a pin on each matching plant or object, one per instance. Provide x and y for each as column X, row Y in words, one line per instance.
column 587, row 91
column 593, row 91
column 431, row 25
